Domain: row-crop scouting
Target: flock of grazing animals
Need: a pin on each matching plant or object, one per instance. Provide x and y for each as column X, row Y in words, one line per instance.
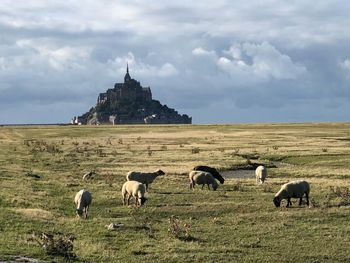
column 137, row 185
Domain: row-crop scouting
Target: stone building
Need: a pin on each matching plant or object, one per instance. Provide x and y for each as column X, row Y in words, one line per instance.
column 130, row 103
column 129, row 90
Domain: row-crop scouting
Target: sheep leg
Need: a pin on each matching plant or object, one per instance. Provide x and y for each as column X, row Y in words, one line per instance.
column 202, row 186
column 300, row 201
column 288, row 202
column 129, row 197
column 307, row 199
column 124, row 199
column 146, row 187
column 208, row 186
column 86, row 211
column 192, row 184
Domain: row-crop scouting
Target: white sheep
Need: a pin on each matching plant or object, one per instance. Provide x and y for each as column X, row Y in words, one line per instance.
column 142, row 177
column 83, row 200
column 294, row 189
column 201, row 177
column 134, row 189
column 260, row 174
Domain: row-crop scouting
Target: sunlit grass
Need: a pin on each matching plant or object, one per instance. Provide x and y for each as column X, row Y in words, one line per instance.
column 238, row 222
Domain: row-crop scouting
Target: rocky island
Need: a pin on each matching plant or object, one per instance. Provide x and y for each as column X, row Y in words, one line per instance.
column 130, row 103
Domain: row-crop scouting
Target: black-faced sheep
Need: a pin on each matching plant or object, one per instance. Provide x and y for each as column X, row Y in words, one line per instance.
column 200, row 177
column 89, row 175
column 260, row 174
column 134, row 189
column 294, row 189
column 83, row 200
column 142, row 177
column 211, row 170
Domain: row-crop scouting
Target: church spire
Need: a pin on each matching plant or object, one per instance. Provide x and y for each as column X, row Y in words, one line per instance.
column 127, row 76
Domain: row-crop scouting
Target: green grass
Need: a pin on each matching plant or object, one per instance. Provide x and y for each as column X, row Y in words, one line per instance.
column 236, row 223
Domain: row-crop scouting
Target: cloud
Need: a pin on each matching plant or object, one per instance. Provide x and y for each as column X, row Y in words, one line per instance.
column 199, row 51
column 262, row 61
column 249, row 64
column 58, row 58
column 141, row 69
column 345, row 64
column 229, row 61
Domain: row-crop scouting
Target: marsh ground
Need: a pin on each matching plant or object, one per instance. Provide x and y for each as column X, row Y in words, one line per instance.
column 236, row 223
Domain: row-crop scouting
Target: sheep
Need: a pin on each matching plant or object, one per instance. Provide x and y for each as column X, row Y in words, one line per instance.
column 89, row 175
column 211, row 170
column 260, row 174
column 83, row 200
column 201, row 177
column 294, row 189
column 134, row 189
column 142, row 177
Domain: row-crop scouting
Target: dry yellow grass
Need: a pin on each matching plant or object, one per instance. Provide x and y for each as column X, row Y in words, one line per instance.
column 41, row 169
column 35, row 213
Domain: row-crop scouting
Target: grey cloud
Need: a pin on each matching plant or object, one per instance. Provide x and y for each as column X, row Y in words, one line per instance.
column 65, row 53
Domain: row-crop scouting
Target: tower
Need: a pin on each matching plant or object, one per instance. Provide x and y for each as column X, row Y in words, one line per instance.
column 127, row 76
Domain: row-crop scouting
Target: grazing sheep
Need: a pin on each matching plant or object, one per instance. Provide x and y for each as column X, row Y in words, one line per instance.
column 200, row 177
column 134, row 189
column 294, row 189
column 260, row 174
column 211, row 170
column 145, row 178
column 89, row 175
column 83, row 200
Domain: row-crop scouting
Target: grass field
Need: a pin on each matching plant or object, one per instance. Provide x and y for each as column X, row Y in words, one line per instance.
column 236, row 223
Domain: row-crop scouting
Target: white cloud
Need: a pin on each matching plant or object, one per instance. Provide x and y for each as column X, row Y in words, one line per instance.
column 263, row 61
column 167, row 70
column 140, row 68
column 234, row 51
column 345, row 64
column 57, row 57
column 199, row 51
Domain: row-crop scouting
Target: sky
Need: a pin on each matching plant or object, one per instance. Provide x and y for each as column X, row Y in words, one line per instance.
column 218, row 61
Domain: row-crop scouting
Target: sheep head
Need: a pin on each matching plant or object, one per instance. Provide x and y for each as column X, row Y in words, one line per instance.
column 277, row 201
column 143, row 200
column 79, row 212
column 160, row 172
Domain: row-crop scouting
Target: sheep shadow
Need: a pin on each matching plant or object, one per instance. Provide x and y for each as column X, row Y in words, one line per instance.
column 303, row 206
column 180, row 204
column 173, row 193
column 139, row 253
column 190, row 239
